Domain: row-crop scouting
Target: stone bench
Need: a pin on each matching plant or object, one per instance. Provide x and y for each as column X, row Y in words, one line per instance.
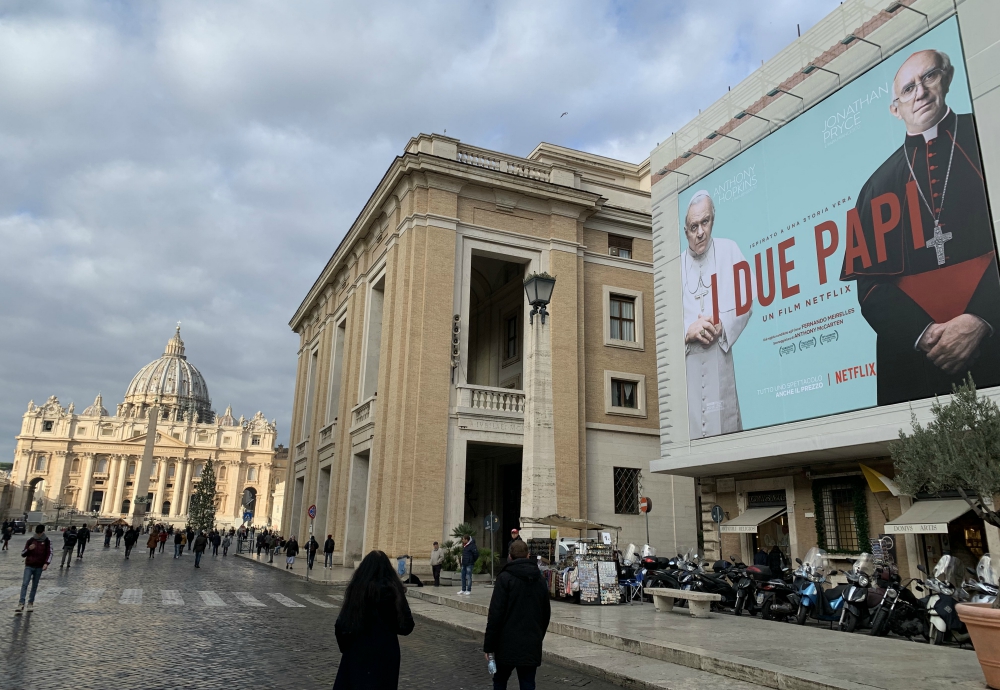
column 699, row 603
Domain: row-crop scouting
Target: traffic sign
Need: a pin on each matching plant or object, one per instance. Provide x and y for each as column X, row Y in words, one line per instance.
column 717, row 513
column 247, row 516
column 491, row 523
column 645, row 504
column 312, row 511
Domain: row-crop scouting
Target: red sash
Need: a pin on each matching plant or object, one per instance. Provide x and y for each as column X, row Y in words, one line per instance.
column 944, row 293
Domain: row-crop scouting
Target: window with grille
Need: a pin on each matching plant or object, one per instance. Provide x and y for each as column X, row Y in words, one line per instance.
column 623, row 394
column 620, row 246
column 622, row 318
column 839, row 519
column 255, row 441
column 627, row 490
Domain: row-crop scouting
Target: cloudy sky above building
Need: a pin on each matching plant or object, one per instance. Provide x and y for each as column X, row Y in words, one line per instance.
column 199, row 161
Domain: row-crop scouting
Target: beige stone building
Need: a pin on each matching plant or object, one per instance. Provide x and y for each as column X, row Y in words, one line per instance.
column 92, row 463
column 425, row 397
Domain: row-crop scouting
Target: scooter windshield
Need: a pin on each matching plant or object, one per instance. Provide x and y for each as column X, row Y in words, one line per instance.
column 948, row 570
column 816, row 560
column 865, row 564
column 986, row 570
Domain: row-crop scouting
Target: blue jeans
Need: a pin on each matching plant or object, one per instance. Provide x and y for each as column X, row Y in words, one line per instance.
column 466, row 578
column 197, row 558
column 31, row 575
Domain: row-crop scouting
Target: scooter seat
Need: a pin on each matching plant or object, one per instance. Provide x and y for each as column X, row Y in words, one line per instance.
column 832, row 594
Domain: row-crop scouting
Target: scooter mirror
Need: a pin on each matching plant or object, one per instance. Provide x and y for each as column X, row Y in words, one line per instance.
column 918, row 588
column 832, row 573
column 921, row 568
column 799, row 561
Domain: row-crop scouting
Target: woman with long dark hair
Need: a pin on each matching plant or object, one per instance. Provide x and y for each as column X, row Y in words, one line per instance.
column 374, row 613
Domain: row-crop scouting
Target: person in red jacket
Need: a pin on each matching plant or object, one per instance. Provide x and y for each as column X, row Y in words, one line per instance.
column 37, row 555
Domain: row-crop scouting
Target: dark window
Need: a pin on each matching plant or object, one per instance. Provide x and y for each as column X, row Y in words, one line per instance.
column 627, row 490
column 255, row 441
column 623, row 393
column 46, row 426
column 839, row 519
column 166, row 508
column 96, row 498
column 623, row 318
column 511, row 337
column 620, row 246
column 126, row 504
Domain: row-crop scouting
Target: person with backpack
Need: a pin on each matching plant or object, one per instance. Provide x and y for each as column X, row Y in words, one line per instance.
column 37, row 555
column 119, row 533
column 179, row 538
column 328, row 546
column 470, row 554
column 8, row 532
column 517, row 620
column 131, row 537
column 200, row 544
column 69, row 545
column 82, row 537
column 312, row 546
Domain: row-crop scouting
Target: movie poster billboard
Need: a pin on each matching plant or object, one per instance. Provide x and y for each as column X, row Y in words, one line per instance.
column 847, row 260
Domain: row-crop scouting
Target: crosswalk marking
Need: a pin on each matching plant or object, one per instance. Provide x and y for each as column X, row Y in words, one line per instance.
column 131, row 596
column 285, row 601
column 8, row 592
column 247, row 600
column 335, row 597
column 171, row 597
column 211, row 599
column 316, row 600
column 48, row 594
column 90, row 596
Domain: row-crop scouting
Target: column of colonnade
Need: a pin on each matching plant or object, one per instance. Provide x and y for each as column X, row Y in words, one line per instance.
column 88, row 478
column 161, row 485
column 121, row 461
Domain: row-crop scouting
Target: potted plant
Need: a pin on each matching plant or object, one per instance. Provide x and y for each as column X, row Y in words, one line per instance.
column 960, row 451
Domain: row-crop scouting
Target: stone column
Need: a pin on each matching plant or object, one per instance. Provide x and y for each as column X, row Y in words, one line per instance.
column 116, row 503
column 179, row 478
column 144, row 466
column 87, row 482
column 188, row 477
column 235, row 496
column 161, row 488
column 538, row 459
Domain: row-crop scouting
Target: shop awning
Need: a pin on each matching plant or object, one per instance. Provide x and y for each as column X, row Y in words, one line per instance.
column 928, row 517
column 747, row 521
column 568, row 523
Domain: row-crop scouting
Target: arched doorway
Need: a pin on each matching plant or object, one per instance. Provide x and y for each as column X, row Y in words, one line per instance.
column 35, row 486
column 166, row 508
column 249, row 501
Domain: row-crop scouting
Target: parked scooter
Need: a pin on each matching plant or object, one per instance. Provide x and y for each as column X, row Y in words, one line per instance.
column 774, row 597
column 854, row 610
column 983, row 590
column 899, row 611
column 812, row 598
column 946, row 591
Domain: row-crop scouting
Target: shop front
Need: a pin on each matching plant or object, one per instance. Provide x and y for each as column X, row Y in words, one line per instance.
column 942, row 526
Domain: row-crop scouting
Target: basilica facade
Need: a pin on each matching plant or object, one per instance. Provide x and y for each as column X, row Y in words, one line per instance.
column 90, row 463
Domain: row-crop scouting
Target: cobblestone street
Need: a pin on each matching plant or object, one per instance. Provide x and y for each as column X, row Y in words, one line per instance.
column 111, row 623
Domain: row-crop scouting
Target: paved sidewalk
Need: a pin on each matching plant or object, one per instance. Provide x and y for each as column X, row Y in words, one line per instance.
column 769, row 654
column 336, row 575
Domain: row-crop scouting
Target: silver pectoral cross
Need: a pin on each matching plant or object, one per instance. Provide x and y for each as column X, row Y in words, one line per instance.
column 701, row 294
column 938, row 242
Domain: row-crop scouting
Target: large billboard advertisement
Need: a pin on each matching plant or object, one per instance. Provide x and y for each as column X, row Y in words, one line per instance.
column 847, row 260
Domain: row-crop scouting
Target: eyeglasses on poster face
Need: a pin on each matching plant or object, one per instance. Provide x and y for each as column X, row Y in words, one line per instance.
column 927, row 79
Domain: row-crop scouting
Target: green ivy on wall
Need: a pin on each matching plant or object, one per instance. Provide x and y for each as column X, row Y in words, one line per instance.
column 861, row 526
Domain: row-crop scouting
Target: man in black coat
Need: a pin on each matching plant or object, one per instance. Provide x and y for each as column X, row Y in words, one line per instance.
column 919, row 243
column 82, row 537
column 518, row 619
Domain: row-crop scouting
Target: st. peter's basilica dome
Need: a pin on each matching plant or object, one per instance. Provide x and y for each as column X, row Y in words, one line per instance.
column 172, row 381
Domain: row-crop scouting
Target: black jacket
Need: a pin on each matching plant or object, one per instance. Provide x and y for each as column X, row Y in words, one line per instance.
column 328, row 546
column 470, row 553
column 69, row 539
column 131, row 537
column 291, row 548
column 370, row 658
column 83, row 534
column 519, row 615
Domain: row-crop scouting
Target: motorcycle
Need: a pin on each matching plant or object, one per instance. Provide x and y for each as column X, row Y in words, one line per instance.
column 774, row 597
column 715, row 581
column 898, row 611
column 855, row 607
column 812, row 598
column 946, row 591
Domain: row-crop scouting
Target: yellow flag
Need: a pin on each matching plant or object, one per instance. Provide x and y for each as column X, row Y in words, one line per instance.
column 879, row 483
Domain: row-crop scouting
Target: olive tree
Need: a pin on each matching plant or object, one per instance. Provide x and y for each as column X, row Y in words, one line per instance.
column 958, row 451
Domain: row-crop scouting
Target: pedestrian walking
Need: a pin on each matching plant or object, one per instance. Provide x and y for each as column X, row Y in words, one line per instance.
column 328, row 547
column 261, row 540
column 107, row 536
column 178, row 543
column 312, row 546
column 200, row 544
column 82, row 537
column 37, row 555
column 69, row 545
column 470, row 554
column 437, row 558
column 216, row 540
column 162, row 539
column 518, row 617
column 291, row 551
column 131, row 537
column 119, row 533
column 152, row 542
column 190, row 537
column 227, row 541
column 515, row 535
column 372, row 617
column 5, row 536
column 272, row 543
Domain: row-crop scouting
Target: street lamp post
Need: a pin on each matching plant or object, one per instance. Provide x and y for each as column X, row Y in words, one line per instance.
column 539, row 287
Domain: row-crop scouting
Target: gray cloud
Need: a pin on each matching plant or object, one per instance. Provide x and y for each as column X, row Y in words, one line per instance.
column 199, row 161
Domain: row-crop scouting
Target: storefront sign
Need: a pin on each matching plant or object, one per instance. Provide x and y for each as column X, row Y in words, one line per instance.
column 837, row 231
column 923, row 528
column 764, row 499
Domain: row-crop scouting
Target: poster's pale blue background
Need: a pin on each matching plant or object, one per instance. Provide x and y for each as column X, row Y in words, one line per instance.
column 799, row 172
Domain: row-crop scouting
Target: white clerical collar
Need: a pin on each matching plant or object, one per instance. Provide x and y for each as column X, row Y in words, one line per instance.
column 931, row 133
column 704, row 255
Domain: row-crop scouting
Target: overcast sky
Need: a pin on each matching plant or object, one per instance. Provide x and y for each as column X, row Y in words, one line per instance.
column 200, row 161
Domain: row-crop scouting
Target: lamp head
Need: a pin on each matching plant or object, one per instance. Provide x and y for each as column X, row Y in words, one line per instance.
column 774, row 92
column 808, row 69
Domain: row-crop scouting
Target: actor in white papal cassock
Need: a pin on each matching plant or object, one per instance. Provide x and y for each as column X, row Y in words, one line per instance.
column 713, row 406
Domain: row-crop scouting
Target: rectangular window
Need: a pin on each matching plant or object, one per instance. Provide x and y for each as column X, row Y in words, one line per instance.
column 839, row 519
column 511, row 337
column 627, row 490
column 255, row 441
column 620, row 246
column 107, row 430
column 623, row 318
column 623, row 394
column 46, row 426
